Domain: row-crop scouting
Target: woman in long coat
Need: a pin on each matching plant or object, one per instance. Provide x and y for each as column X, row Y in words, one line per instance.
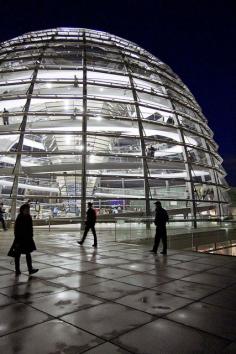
column 23, row 242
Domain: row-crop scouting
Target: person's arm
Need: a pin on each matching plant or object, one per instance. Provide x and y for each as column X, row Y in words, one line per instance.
column 30, row 223
column 17, row 228
column 167, row 217
column 155, row 220
column 94, row 216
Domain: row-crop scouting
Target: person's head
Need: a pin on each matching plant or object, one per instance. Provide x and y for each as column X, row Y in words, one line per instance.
column 90, row 204
column 158, row 204
column 1, row 204
column 25, row 209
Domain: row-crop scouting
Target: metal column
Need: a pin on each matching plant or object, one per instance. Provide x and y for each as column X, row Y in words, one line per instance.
column 84, row 137
column 188, row 167
column 17, row 168
column 143, row 147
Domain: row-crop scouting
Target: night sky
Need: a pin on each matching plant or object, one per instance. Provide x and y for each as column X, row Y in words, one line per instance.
column 197, row 39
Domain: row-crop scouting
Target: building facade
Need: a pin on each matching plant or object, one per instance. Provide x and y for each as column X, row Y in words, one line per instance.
column 88, row 116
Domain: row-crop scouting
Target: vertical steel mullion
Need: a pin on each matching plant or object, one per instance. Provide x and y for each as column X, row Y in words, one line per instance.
column 187, row 162
column 143, row 147
column 84, row 137
column 188, row 167
column 212, row 170
column 17, row 167
column 216, row 178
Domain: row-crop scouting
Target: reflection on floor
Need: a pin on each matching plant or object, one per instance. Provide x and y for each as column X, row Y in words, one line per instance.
column 227, row 251
column 118, row 298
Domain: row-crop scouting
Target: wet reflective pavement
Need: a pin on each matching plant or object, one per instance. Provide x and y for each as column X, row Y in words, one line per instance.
column 118, row 298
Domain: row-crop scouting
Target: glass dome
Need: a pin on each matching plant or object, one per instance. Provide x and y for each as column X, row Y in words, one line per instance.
column 88, row 116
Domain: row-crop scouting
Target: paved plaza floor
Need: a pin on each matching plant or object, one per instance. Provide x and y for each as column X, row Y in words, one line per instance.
column 118, row 298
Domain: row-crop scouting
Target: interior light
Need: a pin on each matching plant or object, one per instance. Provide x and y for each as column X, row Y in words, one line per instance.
column 66, row 104
column 92, row 158
column 49, row 85
column 68, row 139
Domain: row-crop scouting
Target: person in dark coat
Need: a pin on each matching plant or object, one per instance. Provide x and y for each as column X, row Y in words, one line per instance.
column 2, row 218
column 23, row 242
column 161, row 218
column 90, row 224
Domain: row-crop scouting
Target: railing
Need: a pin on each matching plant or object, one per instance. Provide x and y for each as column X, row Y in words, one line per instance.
column 181, row 234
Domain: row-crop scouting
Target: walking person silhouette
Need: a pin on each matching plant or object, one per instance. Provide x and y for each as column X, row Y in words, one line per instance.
column 161, row 218
column 23, row 242
column 90, row 224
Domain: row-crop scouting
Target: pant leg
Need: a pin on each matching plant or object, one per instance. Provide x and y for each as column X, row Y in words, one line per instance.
column 94, row 235
column 164, row 240
column 3, row 223
column 28, row 261
column 157, row 240
column 86, row 230
column 17, row 263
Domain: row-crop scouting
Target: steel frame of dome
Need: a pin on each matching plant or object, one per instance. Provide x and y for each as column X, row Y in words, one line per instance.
column 90, row 116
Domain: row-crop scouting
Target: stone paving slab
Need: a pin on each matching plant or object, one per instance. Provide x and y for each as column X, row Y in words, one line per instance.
column 163, row 336
column 211, row 319
column 50, row 337
column 108, row 320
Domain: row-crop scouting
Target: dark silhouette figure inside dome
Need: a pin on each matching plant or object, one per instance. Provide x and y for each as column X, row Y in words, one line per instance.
column 151, row 151
column 76, row 81
column 23, row 242
column 90, row 224
column 2, row 218
column 5, row 117
column 161, row 218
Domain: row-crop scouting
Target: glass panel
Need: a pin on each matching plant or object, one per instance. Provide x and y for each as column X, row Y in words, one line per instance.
column 151, row 86
column 100, row 60
column 65, row 106
column 115, row 135
column 201, row 175
column 16, row 76
column 62, row 56
column 14, row 105
column 188, row 123
column 110, row 108
column 168, row 188
column 154, row 100
column 105, row 78
column 74, row 88
column 178, row 96
column 59, row 74
column 10, row 90
column 109, row 92
column 128, row 186
column 17, row 64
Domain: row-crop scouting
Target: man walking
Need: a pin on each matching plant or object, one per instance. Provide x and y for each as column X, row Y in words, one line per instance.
column 161, row 218
column 90, row 224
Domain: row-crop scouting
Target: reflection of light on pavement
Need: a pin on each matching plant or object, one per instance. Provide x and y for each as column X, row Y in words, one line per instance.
column 229, row 251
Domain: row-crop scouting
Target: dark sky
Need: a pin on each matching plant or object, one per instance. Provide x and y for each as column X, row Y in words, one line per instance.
column 196, row 38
